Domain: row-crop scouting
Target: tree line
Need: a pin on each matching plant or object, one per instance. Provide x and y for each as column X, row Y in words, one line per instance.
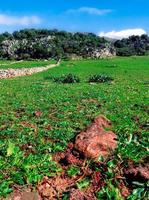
column 134, row 45
column 46, row 44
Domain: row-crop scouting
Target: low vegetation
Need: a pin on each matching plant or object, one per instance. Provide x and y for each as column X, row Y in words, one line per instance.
column 134, row 45
column 100, row 78
column 39, row 117
column 47, row 44
column 68, row 78
column 30, row 44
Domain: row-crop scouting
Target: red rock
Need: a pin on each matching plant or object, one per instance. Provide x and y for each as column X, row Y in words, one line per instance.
column 59, row 156
column 123, row 189
column 103, row 121
column 69, row 157
column 96, row 141
column 70, row 146
column 76, row 194
column 27, row 124
column 96, row 180
column 38, row 113
column 137, row 172
column 72, row 160
column 49, row 127
column 52, row 188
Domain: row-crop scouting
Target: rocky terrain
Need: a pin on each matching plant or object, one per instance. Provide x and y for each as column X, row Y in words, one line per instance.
column 11, row 73
column 46, row 44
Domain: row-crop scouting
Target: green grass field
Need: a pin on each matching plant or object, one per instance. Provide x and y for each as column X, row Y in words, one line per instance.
column 68, row 110
column 24, row 64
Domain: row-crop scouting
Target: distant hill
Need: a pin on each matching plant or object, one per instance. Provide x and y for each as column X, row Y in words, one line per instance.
column 47, row 44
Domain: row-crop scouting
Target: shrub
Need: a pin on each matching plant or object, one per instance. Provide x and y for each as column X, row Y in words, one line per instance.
column 69, row 78
column 100, row 78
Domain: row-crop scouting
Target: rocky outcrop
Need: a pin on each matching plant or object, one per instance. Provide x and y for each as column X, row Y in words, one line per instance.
column 105, row 52
column 15, row 48
column 51, row 46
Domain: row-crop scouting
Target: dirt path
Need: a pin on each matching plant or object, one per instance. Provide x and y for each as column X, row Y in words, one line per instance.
column 11, row 73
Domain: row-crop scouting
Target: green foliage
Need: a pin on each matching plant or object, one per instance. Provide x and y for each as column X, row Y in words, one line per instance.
column 134, row 45
column 109, row 192
column 83, row 184
column 45, row 44
column 73, row 171
column 100, row 78
column 27, row 142
column 24, row 64
column 5, row 188
column 68, row 78
column 141, row 191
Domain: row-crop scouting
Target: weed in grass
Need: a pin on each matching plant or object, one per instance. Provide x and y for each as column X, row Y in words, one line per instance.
column 100, row 78
column 69, row 78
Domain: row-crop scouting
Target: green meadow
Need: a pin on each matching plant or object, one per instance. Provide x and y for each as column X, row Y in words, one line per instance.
column 23, row 64
column 26, row 141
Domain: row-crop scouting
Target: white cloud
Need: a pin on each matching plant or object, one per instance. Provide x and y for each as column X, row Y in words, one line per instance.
column 123, row 33
column 16, row 20
column 90, row 11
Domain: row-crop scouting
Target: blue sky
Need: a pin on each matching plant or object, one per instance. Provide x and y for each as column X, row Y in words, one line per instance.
column 103, row 17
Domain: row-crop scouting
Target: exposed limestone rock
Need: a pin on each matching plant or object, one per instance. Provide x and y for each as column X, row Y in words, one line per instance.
column 15, row 49
column 11, row 73
column 11, row 48
column 105, row 52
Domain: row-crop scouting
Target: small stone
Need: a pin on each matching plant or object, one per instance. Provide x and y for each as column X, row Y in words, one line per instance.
column 38, row 113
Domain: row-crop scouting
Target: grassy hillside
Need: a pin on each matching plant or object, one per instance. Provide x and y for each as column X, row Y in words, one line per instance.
column 30, row 105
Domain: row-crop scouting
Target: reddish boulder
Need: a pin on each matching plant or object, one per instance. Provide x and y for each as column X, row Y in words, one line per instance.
column 96, row 141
